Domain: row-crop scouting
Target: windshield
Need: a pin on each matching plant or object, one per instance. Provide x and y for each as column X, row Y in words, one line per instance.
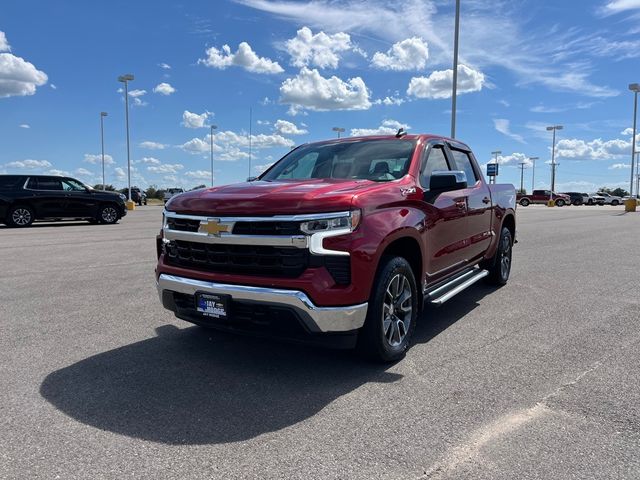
column 377, row 160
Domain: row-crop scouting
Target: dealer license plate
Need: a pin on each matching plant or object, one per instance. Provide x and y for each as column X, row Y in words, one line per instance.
column 211, row 305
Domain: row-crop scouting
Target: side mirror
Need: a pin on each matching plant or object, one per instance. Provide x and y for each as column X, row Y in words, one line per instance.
column 447, row 181
column 251, row 179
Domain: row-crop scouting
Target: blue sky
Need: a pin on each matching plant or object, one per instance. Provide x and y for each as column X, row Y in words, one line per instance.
column 304, row 67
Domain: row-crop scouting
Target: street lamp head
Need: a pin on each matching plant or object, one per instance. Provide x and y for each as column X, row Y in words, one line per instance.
column 338, row 129
column 213, row 127
column 634, row 87
column 534, row 158
column 103, row 114
column 555, row 127
column 125, row 78
column 497, row 152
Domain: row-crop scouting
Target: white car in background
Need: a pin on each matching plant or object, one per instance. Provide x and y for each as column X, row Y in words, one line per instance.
column 610, row 199
column 170, row 192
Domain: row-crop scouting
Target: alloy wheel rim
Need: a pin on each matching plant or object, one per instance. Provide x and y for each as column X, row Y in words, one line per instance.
column 109, row 214
column 397, row 309
column 505, row 260
column 21, row 216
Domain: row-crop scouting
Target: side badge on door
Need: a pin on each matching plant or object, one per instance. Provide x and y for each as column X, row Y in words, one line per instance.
column 407, row 191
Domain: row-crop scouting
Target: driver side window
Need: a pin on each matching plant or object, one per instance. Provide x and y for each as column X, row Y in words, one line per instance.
column 435, row 161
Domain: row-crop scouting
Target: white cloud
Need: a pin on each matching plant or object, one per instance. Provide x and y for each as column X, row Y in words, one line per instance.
column 59, row 173
column 137, row 93
column 153, row 145
column 196, row 145
column 53, row 86
column 439, row 83
column 617, row 6
column 166, row 168
column 627, row 131
column 395, row 100
column 312, row 91
column 24, row 125
column 4, row 43
column 83, row 172
column 199, row 174
column 244, row 57
column 388, row 127
column 149, row 161
column 19, row 77
column 28, row 164
column 164, row 89
column 409, row 54
column 193, row 120
column 97, row 159
column 120, row 173
column 502, row 126
column 164, row 66
column 597, row 149
column 262, row 168
column 288, row 128
column 319, row 50
column 232, row 154
column 515, row 159
column 620, row 166
column 260, row 141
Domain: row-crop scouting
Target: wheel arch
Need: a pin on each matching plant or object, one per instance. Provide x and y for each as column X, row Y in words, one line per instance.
column 409, row 249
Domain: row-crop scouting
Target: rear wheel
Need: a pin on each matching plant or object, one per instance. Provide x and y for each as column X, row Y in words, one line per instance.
column 20, row 216
column 393, row 311
column 525, row 202
column 560, row 203
column 108, row 214
column 615, row 203
column 500, row 265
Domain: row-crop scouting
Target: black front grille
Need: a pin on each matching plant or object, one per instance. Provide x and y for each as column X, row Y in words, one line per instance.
column 267, row 228
column 238, row 259
column 183, row 224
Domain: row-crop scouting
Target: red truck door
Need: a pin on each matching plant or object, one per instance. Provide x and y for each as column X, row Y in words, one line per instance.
column 445, row 217
column 479, row 208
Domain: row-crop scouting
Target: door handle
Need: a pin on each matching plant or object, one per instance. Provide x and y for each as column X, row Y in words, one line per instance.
column 486, row 200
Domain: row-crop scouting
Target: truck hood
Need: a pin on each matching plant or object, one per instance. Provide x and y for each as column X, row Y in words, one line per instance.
column 271, row 198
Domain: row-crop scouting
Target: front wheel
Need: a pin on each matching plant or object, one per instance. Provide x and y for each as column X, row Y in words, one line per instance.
column 615, row 203
column 108, row 214
column 499, row 266
column 393, row 312
column 560, row 203
column 525, row 202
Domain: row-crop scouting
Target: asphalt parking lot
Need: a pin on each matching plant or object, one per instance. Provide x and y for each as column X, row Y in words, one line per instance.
column 538, row 379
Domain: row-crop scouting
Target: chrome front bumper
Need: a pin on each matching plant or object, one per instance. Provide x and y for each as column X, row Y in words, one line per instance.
column 317, row 319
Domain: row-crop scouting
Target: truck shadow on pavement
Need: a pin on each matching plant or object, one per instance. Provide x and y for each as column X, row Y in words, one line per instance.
column 192, row 386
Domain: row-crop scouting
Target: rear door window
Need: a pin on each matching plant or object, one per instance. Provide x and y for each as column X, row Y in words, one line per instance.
column 10, row 182
column 463, row 162
column 45, row 183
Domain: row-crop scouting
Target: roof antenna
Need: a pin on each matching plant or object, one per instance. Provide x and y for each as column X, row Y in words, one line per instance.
column 401, row 133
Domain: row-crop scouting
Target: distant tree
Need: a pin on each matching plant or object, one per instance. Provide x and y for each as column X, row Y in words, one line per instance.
column 199, row 186
column 522, row 192
column 619, row 192
column 152, row 191
column 605, row 190
column 109, row 188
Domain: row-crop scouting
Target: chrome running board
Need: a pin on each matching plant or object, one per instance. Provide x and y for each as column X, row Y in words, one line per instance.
column 454, row 286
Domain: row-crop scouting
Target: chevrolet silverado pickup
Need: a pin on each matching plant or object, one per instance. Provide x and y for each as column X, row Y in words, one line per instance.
column 543, row 197
column 341, row 241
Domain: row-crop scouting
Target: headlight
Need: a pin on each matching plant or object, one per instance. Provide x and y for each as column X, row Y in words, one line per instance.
column 349, row 221
column 122, row 196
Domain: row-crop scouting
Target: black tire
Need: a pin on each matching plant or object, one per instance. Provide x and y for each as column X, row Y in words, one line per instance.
column 524, row 202
column 499, row 266
column 577, row 202
column 386, row 336
column 560, row 203
column 20, row 216
column 590, row 202
column 108, row 214
column 615, row 203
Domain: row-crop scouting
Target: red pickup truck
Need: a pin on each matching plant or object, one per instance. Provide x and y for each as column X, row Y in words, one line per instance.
column 543, row 197
column 341, row 240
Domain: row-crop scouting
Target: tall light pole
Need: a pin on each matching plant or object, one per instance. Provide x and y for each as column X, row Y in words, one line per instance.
column 125, row 79
column 635, row 88
column 533, row 173
column 454, row 92
column 213, row 127
column 102, row 115
column 495, row 160
column 522, row 164
column 553, row 157
column 339, row 130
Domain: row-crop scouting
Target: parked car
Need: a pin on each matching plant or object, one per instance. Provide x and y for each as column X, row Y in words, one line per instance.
column 611, row 199
column 598, row 199
column 576, row 198
column 170, row 192
column 543, row 197
column 25, row 198
column 338, row 241
column 138, row 196
column 588, row 199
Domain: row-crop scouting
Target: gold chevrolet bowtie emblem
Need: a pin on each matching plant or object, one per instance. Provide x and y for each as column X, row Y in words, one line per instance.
column 213, row 227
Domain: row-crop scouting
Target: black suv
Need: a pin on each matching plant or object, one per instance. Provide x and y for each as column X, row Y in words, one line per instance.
column 576, row 197
column 25, row 198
